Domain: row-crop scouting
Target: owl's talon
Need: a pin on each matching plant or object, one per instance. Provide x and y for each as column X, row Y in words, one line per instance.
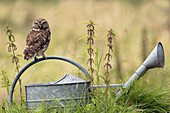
column 44, row 56
column 35, row 59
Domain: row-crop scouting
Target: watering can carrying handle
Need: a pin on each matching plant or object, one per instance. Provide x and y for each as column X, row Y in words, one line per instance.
column 39, row 60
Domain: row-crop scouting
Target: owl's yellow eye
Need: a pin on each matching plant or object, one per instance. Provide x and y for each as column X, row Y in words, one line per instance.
column 44, row 25
column 36, row 25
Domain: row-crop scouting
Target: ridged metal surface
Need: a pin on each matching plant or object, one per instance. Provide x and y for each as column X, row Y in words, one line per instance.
column 67, row 90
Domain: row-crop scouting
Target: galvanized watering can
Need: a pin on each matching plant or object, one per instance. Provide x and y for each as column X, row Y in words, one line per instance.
column 67, row 90
column 71, row 88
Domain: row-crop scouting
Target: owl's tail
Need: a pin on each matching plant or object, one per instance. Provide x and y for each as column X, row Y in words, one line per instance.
column 28, row 53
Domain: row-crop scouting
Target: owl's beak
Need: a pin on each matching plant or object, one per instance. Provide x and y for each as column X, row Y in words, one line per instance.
column 40, row 26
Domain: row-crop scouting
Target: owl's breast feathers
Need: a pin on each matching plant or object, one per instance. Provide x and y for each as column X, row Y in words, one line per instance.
column 36, row 43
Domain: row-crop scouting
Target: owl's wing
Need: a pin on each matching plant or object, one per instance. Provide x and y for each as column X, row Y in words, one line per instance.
column 36, row 41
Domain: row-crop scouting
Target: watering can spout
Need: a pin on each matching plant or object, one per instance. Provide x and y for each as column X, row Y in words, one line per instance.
column 156, row 59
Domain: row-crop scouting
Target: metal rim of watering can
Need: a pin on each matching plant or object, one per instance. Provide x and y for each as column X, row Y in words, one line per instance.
column 39, row 60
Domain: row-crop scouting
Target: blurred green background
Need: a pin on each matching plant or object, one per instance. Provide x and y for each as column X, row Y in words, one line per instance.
column 128, row 18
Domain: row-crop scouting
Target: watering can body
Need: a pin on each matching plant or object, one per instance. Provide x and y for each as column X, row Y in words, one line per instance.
column 69, row 89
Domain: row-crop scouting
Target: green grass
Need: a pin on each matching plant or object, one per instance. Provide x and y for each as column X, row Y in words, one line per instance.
column 149, row 97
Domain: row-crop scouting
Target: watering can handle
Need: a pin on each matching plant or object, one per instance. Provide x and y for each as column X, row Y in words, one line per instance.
column 39, row 60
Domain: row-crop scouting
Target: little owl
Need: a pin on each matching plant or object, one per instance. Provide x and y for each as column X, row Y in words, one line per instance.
column 37, row 40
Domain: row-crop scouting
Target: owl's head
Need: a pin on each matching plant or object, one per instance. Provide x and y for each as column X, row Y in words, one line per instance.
column 40, row 24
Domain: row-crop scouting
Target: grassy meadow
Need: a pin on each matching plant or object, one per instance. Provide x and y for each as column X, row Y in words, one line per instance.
column 130, row 20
